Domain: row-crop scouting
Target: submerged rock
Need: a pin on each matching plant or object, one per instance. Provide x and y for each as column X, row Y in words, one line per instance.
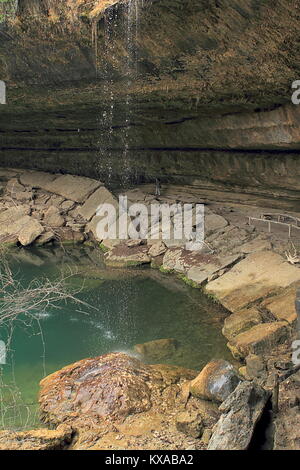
column 241, row 412
column 158, row 349
column 215, row 382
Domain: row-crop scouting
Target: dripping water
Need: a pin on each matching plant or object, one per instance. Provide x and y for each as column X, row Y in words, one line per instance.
column 114, row 33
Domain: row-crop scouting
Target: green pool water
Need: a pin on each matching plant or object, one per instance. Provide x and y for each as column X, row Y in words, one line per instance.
column 123, row 308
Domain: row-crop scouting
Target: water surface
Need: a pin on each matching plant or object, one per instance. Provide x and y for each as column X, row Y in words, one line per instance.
column 124, row 308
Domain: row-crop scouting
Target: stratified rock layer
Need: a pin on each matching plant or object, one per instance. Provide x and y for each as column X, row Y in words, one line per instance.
column 208, row 101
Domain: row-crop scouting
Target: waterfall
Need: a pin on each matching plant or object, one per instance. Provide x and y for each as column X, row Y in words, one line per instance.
column 132, row 28
column 120, row 30
column 106, row 120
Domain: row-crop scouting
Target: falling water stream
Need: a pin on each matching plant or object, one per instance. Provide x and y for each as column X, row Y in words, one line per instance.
column 120, row 29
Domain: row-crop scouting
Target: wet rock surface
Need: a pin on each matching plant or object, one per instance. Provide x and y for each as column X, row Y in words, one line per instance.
column 112, row 386
column 155, row 350
column 215, row 382
column 116, row 402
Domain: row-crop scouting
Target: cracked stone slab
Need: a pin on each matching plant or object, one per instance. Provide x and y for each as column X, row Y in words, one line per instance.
column 253, row 278
column 75, row 188
column 259, row 339
column 204, row 272
column 100, row 196
column 37, row 179
column 283, row 306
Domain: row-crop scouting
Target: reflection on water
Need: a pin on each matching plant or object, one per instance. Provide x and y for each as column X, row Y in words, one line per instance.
column 124, row 308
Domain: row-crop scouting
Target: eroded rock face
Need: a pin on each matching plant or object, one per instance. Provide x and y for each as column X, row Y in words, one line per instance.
column 113, row 387
column 194, row 65
column 241, row 411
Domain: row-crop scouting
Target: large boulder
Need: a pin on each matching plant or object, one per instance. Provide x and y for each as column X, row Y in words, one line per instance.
column 53, row 217
column 241, row 412
column 282, row 306
column 19, row 227
column 110, row 387
column 100, row 196
column 11, row 215
column 36, row 179
column 216, row 381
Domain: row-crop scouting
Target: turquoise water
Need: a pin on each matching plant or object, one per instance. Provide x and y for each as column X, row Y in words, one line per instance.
column 122, row 308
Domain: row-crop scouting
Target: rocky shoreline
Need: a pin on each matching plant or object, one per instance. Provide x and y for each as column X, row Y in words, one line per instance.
column 242, row 267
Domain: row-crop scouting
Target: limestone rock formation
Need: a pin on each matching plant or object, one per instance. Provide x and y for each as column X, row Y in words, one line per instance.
column 241, row 411
column 189, row 423
column 157, row 350
column 29, row 230
column 241, row 321
column 287, row 422
column 260, row 339
column 253, row 278
column 210, row 85
column 124, row 256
